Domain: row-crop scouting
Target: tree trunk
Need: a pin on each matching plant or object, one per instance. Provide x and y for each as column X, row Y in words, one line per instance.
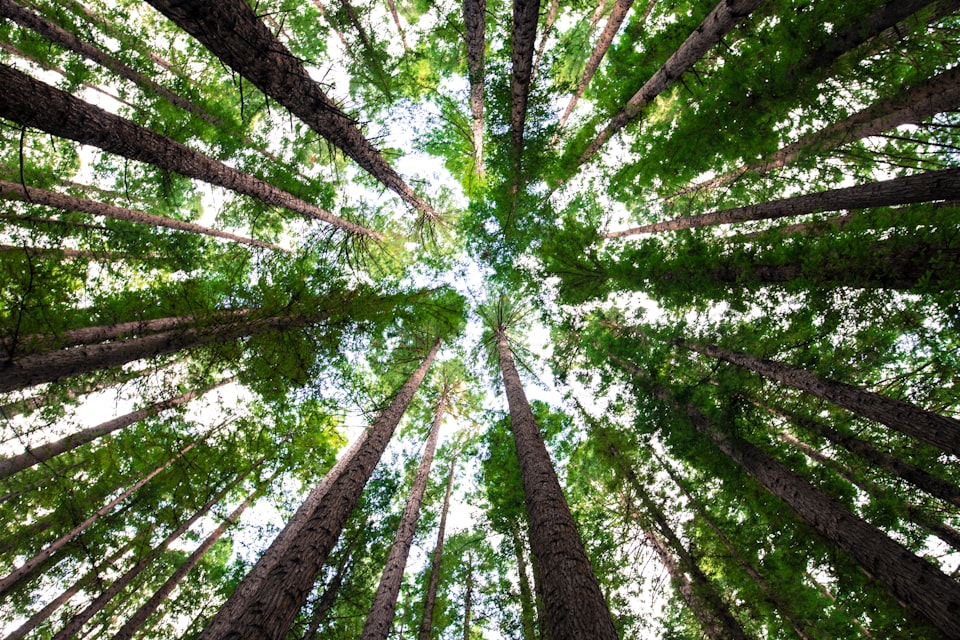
column 73, row 627
column 271, row 610
column 33, row 195
column 574, row 603
column 35, row 455
column 918, row 103
column 619, row 13
column 139, row 618
column 370, row 57
column 382, row 612
column 474, row 22
column 829, row 596
column 922, row 187
column 28, row 568
column 904, row 417
column 430, row 601
column 69, row 117
column 468, row 599
column 233, row 33
column 392, row 5
column 717, row 23
column 527, row 610
column 332, row 589
column 526, row 13
column 548, row 26
column 33, row 403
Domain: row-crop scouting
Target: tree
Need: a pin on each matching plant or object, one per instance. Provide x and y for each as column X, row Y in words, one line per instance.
column 429, row 601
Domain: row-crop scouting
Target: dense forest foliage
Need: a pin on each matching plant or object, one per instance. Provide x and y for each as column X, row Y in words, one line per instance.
column 469, row 319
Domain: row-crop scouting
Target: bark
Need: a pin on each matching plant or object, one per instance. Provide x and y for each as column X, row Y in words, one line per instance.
column 382, row 612
column 73, row 627
column 271, row 610
column 912, row 513
column 717, row 23
column 474, row 21
column 527, row 610
column 36, row 455
column 920, row 102
column 68, row 117
column 526, row 13
column 28, row 568
column 322, row 608
column 926, row 426
column 430, row 600
column 137, row 620
column 548, row 26
column 34, row 195
column 468, row 600
column 921, row 187
column 574, row 603
column 921, row 479
column 232, row 31
column 34, row 403
column 617, row 16
column 396, row 20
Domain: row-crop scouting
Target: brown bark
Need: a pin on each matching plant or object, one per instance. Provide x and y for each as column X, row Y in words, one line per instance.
column 922, row 187
column 717, row 23
column 468, row 599
column 548, row 26
column 28, row 568
column 914, row 105
column 382, row 612
column 36, row 455
column 323, row 606
column 527, row 611
column 474, row 22
column 72, row 628
column 926, row 426
column 526, row 13
column 271, row 610
column 68, row 117
column 232, row 31
column 34, row 195
column 574, row 603
column 430, row 600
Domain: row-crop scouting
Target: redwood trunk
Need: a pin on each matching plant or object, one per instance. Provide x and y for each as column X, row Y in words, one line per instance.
column 330, row 592
column 922, row 187
column 68, row 117
column 35, row 455
column 572, row 597
column 430, row 601
column 717, row 23
column 527, row 609
column 904, row 417
column 271, row 610
column 33, row 195
column 381, row 615
column 234, row 33
column 468, row 600
column 526, row 13
column 474, row 22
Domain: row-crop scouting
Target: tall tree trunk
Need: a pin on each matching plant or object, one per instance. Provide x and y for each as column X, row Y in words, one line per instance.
column 468, row 599
column 232, row 31
column 270, row 611
column 28, row 568
column 139, row 618
column 332, row 589
column 73, row 627
column 574, row 603
column 922, row 187
column 912, row 106
column 528, row 613
column 69, row 117
column 926, row 426
column 552, row 12
column 776, row 599
column 392, row 5
column 526, row 13
column 382, row 612
column 34, row 195
column 717, row 23
column 430, row 600
column 33, row 403
column 474, row 22
column 370, row 57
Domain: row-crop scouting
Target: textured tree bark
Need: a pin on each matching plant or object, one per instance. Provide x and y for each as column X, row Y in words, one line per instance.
column 474, row 22
column 35, row 455
column 232, row 31
column 271, row 609
column 382, row 612
column 904, row 417
column 430, row 600
column 33, row 195
column 717, row 23
column 468, row 600
column 526, row 13
column 922, row 187
column 574, row 603
column 69, row 117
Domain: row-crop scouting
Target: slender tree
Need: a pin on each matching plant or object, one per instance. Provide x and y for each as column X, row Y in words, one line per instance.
column 430, row 599
column 526, row 13
column 474, row 22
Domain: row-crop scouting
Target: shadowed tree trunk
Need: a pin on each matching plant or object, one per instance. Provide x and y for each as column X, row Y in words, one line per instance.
column 269, row 611
column 232, row 31
column 68, row 117
column 325, row 603
column 468, row 598
column 526, row 13
column 548, row 26
column 430, row 600
column 392, row 5
column 572, row 597
column 717, row 23
column 382, row 612
column 528, row 613
column 35, row 455
column 33, row 195
column 922, row 187
column 474, row 22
